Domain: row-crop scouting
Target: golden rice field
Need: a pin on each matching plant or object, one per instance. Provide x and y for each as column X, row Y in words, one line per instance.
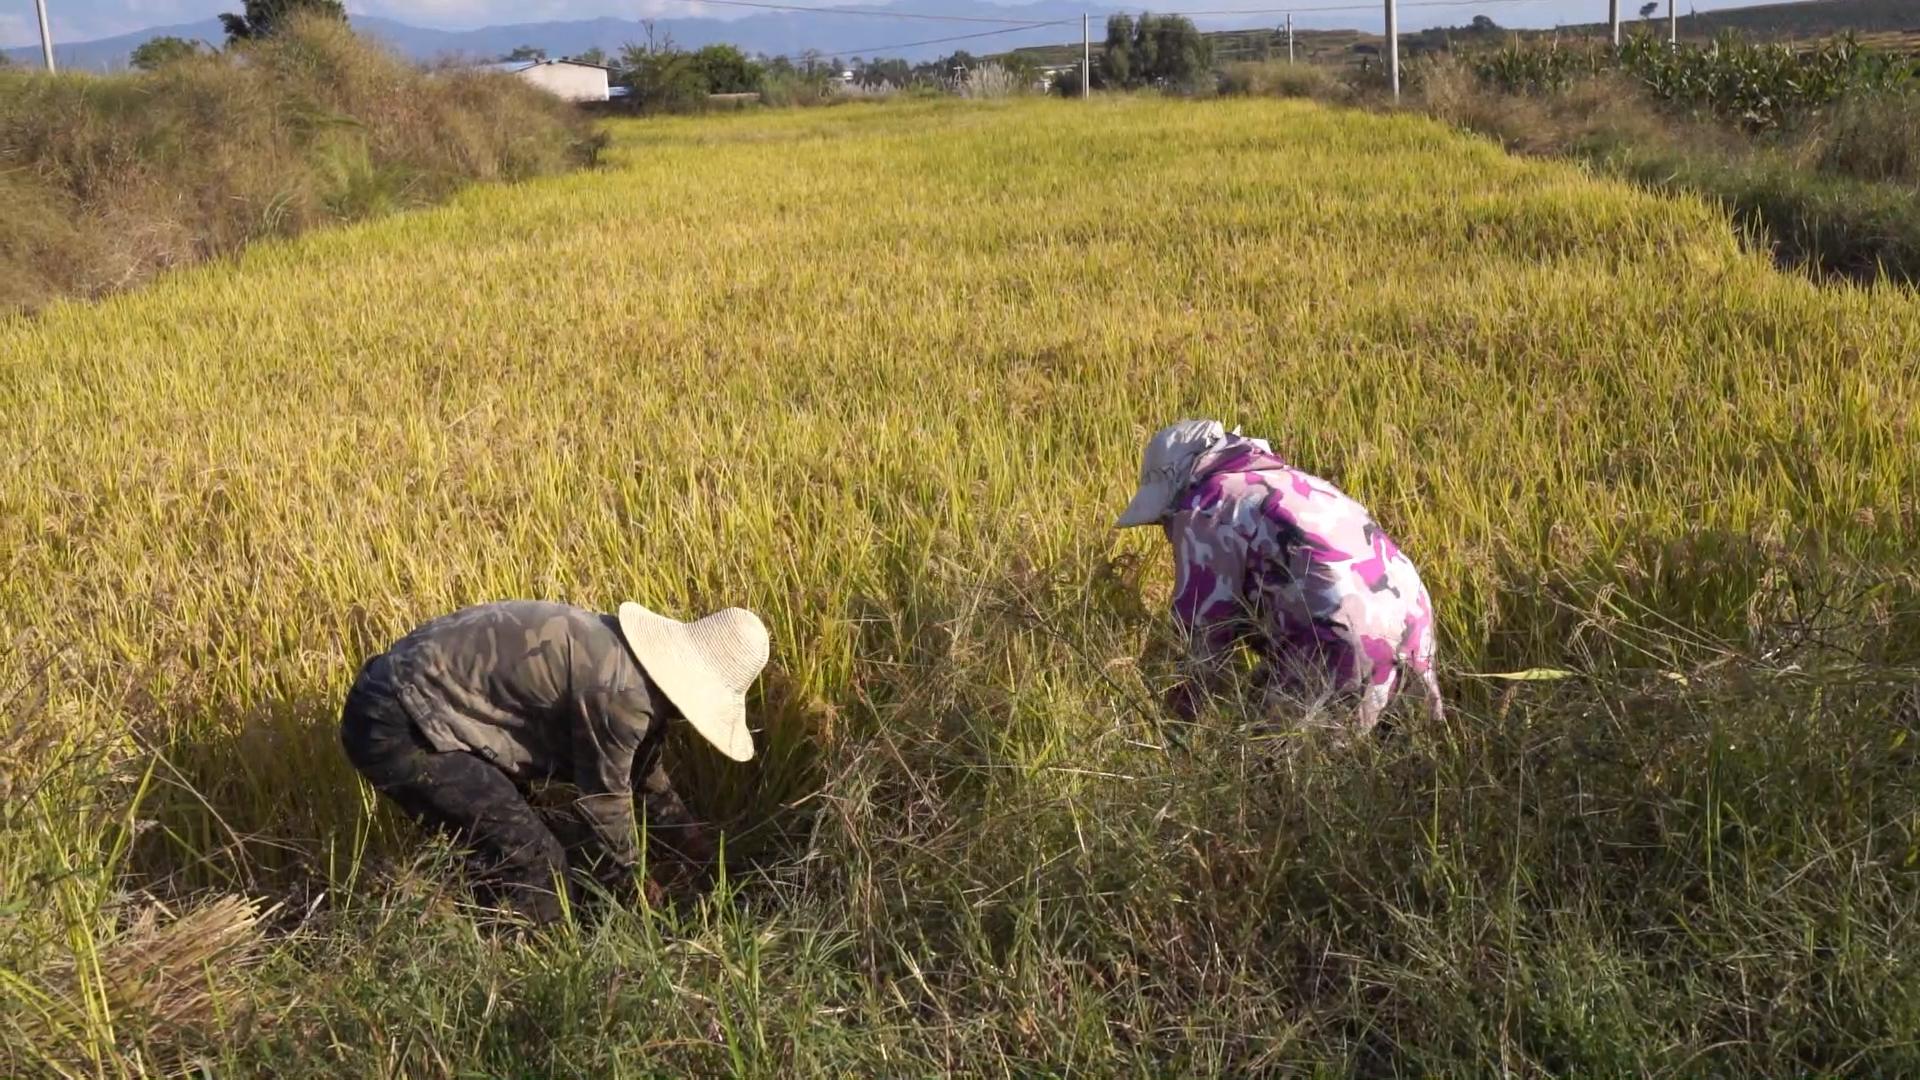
column 881, row 373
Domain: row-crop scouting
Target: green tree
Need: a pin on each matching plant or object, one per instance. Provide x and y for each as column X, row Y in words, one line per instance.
column 524, row 52
column 259, row 18
column 1067, row 83
column 1179, row 57
column 1166, row 51
column 726, row 70
column 874, row 72
column 1024, row 69
column 813, row 62
column 946, row 67
column 1116, row 55
column 161, row 51
column 1144, row 50
column 663, row 78
column 1647, row 9
column 595, row 55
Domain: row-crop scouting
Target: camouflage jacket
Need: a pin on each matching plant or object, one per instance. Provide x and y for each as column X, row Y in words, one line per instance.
column 543, row 691
column 1269, row 554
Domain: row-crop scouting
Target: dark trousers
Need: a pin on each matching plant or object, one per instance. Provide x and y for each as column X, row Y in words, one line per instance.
column 514, row 857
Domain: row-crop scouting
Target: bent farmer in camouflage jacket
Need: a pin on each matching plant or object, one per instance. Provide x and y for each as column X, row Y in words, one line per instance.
column 1269, row 555
column 455, row 720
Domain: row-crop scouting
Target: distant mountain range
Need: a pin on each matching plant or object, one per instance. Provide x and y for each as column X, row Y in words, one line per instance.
column 771, row 34
column 788, row 33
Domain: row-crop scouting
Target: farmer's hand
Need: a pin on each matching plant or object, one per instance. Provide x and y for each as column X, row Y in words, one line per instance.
column 687, row 870
column 693, row 843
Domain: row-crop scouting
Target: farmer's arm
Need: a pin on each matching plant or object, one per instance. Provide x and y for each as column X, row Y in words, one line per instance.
column 1208, row 605
column 667, row 816
column 609, row 727
column 672, row 830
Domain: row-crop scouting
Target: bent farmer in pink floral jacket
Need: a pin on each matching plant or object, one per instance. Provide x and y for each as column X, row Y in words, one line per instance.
column 1269, row 555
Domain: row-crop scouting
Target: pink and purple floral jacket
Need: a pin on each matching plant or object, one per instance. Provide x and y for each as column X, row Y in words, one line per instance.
column 1283, row 560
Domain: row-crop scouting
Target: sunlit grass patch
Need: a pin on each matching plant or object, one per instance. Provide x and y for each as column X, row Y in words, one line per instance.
column 881, row 374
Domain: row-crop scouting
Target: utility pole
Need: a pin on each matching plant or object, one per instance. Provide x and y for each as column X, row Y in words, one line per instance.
column 1673, row 22
column 1289, row 37
column 46, row 38
column 1393, row 46
column 1086, row 58
column 1613, row 20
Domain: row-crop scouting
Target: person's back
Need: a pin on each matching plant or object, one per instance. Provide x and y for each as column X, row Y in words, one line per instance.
column 1270, row 554
column 1327, row 583
column 506, row 680
column 454, row 719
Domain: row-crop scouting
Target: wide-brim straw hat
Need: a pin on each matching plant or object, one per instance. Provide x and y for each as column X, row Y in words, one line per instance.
column 704, row 668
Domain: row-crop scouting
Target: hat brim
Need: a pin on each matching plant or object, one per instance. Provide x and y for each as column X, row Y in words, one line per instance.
column 1149, row 505
column 666, row 648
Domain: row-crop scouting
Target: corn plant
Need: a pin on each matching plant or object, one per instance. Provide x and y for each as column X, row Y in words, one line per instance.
column 1760, row 86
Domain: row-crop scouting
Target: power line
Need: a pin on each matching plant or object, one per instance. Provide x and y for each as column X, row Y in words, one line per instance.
column 1018, row 24
column 1309, row 10
column 876, row 49
column 878, row 14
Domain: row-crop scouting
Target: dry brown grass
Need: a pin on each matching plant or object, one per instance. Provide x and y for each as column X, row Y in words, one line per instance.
column 1874, row 137
column 1601, row 111
column 1267, row 78
column 164, row 988
column 108, row 180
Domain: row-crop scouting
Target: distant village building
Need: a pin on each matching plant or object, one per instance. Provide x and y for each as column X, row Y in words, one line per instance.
column 1050, row 73
column 574, row 80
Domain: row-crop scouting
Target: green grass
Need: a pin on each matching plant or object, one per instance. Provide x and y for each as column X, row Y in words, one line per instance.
column 881, row 374
column 1835, row 226
column 1822, row 178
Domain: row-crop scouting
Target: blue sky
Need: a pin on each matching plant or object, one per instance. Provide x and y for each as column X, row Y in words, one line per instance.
column 82, row 20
